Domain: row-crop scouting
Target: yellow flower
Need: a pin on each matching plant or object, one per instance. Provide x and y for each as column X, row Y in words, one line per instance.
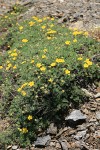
column 21, row 27
column 52, row 19
column 88, row 62
column 35, row 18
column 24, row 40
column 38, row 65
column 43, row 27
column 75, row 40
column 49, row 38
column 60, row 60
column 79, row 58
column 6, row 16
column 32, row 61
column 67, row 71
column 9, row 65
column 51, row 25
column 31, row 23
column 45, row 50
column 20, row 129
column 31, row 83
column 51, row 31
column 14, row 58
column 19, row 89
column 40, row 20
column 23, row 93
column 44, row 18
column 14, row 50
column 42, row 68
column 1, row 67
column 29, row 117
column 7, row 61
column 86, row 65
column 23, row 85
column 24, row 130
column 14, row 67
column 50, row 80
column 86, row 33
column 43, row 56
column 67, row 42
column 14, row 54
column 77, row 32
column 53, row 64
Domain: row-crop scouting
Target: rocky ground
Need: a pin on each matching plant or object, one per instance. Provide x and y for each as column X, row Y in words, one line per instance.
column 85, row 132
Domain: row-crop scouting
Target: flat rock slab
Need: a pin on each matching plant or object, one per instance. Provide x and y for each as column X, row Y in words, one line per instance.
column 75, row 118
column 42, row 141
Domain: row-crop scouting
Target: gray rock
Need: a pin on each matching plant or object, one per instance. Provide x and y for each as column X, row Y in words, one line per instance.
column 64, row 144
column 14, row 147
column 98, row 115
column 97, row 95
column 75, row 116
column 80, row 135
column 52, row 129
column 81, row 127
column 42, row 141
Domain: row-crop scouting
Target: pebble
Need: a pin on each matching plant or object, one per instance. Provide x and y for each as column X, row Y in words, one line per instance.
column 98, row 115
column 14, row 147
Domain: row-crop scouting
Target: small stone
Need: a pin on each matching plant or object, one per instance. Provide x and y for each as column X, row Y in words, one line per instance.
column 10, row 146
column 58, row 145
column 80, row 135
column 97, row 95
column 14, row 147
column 97, row 99
column 98, row 115
column 93, row 108
column 73, row 145
column 61, row 1
column 78, row 144
column 64, row 145
column 52, row 144
column 52, row 129
column 85, row 111
column 92, row 119
column 97, row 134
column 42, row 141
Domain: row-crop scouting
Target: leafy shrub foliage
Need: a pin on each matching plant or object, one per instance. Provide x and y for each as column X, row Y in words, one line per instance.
column 43, row 72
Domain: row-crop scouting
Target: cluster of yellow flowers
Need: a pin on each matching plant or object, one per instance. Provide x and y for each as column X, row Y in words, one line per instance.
column 29, row 84
column 41, row 67
column 24, row 129
column 60, row 60
column 51, row 31
column 31, row 23
column 13, row 54
column 87, row 63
